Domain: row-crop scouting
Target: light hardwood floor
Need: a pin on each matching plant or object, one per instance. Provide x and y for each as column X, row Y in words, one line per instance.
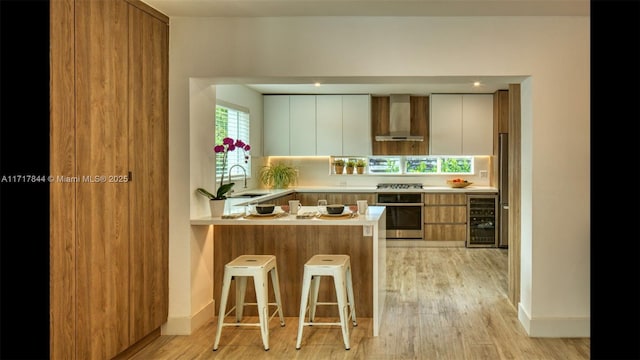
column 442, row 303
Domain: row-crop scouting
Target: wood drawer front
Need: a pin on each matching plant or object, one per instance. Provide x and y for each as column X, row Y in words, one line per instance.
column 445, row 199
column 445, row 232
column 311, row 199
column 445, row 214
column 282, row 200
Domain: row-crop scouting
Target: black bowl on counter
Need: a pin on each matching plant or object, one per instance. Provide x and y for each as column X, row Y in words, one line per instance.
column 265, row 208
column 335, row 209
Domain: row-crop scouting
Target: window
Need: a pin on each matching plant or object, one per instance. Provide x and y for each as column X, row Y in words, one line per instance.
column 439, row 165
column 419, row 165
column 232, row 121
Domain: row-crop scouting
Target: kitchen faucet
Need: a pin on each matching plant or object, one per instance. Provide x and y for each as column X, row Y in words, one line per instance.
column 243, row 170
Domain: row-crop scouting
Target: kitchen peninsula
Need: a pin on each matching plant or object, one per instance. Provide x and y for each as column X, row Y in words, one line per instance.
column 293, row 240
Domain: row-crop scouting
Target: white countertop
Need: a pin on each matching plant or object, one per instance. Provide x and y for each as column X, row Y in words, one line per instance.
column 270, row 193
column 371, row 217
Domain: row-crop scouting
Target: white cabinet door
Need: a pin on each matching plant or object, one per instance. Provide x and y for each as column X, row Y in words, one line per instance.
column 276, row 125
column 461, row 124
column 356, row 125
column 302, row 125
column 477, row 124
column 445, row 124
column 329, row 125
column 307, row 125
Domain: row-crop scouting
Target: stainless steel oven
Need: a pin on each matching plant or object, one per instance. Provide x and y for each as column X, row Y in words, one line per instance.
column 404, row 207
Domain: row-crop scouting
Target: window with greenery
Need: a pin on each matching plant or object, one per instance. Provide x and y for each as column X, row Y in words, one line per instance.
column 232, row 121
column 419, row 165
column 439, row 165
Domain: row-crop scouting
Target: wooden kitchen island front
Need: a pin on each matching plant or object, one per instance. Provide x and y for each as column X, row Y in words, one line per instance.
column 293, row 241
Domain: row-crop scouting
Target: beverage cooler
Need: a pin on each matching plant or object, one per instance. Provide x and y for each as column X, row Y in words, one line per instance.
column 482, row 229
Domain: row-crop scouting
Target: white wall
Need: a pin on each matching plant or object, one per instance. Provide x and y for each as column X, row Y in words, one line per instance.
column 553, row 51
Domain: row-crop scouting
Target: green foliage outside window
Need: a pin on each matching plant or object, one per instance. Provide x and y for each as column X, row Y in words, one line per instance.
column 455, row 165
column 222, row 123
column 421, row 165
column 392, row 166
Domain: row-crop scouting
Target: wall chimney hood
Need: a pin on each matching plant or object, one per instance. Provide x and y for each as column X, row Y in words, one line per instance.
column 399, row 120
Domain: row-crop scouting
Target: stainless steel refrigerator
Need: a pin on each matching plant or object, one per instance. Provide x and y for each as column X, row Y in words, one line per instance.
column 503, row 190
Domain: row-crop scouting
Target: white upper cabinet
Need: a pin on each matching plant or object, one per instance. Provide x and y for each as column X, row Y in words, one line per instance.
column 445, row 124
column 276, row 125
column 356, row 125
column 329, row 124
column 477, row 124
column 302, row 125
column 306, row 125
column 461, row 124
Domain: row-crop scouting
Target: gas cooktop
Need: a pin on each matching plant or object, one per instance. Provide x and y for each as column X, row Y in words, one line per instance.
column 394, row 186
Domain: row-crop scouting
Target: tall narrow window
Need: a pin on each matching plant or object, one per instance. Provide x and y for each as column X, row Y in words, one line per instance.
column 232, row 121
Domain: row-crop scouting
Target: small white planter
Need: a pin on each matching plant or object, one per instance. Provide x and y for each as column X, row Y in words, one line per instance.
column 217, row 207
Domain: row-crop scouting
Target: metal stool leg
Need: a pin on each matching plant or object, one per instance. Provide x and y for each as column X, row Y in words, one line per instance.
column 241, row 290
column 276, row 290
column 263, row 310
column 306, row 283
column 226, row 283
column 343, row 309
column 313, row 301
column 352, row 302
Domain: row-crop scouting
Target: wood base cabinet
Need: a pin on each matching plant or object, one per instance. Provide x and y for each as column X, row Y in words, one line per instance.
column 311, row 199
column 445, row 217
column 109, row 136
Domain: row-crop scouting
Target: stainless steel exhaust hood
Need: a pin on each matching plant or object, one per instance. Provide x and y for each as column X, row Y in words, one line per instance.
column 399, row 120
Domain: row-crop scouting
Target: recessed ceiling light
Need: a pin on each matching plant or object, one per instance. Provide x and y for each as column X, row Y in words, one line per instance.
column 476, row 84
column 317, row 84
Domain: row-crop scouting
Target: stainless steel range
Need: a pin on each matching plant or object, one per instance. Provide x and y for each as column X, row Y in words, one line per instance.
column 404, row 205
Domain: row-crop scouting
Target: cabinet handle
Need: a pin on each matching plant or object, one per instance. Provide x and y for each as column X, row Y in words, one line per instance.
column 129, row 176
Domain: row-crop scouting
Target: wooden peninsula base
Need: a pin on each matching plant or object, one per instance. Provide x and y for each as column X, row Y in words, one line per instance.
column 293, row 242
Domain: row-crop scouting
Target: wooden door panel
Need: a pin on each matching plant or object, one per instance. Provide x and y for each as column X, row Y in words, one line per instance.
column 149, row 199
column 102, row 206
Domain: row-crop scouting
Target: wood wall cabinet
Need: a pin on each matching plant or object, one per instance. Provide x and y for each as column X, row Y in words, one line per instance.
column 109, row 132
column 461, row 124
column 500, row 126
column 346, row 198
column 445, row 217
column 501, row 110
column 380, row 117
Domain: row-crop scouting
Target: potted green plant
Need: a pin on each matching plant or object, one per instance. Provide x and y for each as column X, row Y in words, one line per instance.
column 360, row 165
column 278, row 175
column 350, row 165
column 338, row 165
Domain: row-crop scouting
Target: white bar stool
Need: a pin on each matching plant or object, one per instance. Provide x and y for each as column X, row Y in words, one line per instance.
column 339, row 267
column 258, row 267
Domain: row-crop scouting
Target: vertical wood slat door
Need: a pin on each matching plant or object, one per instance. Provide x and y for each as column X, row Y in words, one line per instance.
column 148, row 157
column 62, row 204
column 102, row 232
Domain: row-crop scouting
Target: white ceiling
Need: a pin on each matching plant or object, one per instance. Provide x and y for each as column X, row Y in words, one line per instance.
column 259, row 8
column 369, row 85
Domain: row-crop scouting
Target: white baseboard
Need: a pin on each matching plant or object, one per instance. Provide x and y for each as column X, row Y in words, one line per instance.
column 188, row 324
column 555, row 327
